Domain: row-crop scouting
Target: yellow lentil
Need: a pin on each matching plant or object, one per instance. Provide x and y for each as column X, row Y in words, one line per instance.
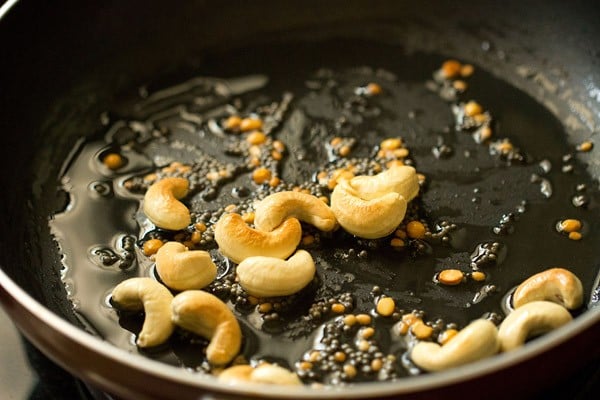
column 373, row 89
column 466, row 70
column 401, row 153
column 363, row 345
column 113, row 161
column 196, row 237
column 250, row 124
column 421, row 330
column 376, row 364
column 403, row 328
column 416, row 230
column 570, row 225
column 400, row 233
column 314, row 356
column 335, row 141
column 459, row 85
column 350, row 370
column 586, row 146
column 367, row 332
column 473, row 108
column 478, row 276
column 575, row 236
column 277, row 156
column 350, row 320
column 386, row 306
column 391, row 144
column 274, row 181
column 344, row 151
column 485, row 133
column 445, row 336
column 450, row 277
column 397, row 242
column 233, row 122
column 308, row 240
column 450, row 69
column 261, row 175
column 200, row 226
column 338, row 308
column 151, row 246
column 305, row 365
column 363, row 319
column 339, row 356
column 256, row 137
column 252, row 300
column 265, row 307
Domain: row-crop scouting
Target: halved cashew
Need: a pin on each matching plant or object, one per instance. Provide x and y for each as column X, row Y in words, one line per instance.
column 369, row 219
column 529, row 320
column 207, row 316
column 238, row 241
column 269, row 277
column 182, row 269
column 145, row 293
column 276, row 208
column 263, row 373
column 476, row 341
column 401, row 179
column 162, row 205
column 555, row 284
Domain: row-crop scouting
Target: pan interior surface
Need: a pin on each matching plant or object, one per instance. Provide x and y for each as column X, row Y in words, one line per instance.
column 79, row 115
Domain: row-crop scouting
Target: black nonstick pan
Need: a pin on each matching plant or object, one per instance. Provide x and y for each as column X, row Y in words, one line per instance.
column 64, row 65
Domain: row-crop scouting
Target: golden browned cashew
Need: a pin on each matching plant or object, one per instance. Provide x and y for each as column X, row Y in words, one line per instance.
column 369, row 219
column 555, row 284
column 238, row 241
column 270, row 277
column 162, row 205
column 529, row 320
column 476, row 341
column 401, row 179
column 207, row 316
column 182, row 269
column 264, row 373
column 145, row 293
column 276, row 208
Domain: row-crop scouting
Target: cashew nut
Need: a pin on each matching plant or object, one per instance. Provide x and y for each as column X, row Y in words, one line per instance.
column 270, row 277
column 369, row 219
column 162, row 207
column 276, row 208
column 181, row 269
column 207, row 316
column 145, row 293
column 529, row 320
column 238, row 241
column 476, row 341
column 264, row 373
column 555, row 284
column 401, row 179
column 274, row 374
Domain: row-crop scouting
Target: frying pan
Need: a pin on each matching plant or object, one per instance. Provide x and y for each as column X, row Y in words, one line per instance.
column 64, row 63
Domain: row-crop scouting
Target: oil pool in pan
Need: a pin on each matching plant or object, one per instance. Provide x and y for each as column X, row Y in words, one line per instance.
column 502, row 197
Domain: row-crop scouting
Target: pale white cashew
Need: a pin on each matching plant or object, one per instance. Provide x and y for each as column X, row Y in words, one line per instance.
column 555, row 284
column 206, row 315
column 476, row 341
column 238, row 241
column 236, row 374
column 145, row 293
column 369, row 219
column 274, row 374
column 271, row 277
column 162, row 205
column 264, row 373
column 401, row 179
column 277, row 207
column 529, row 320
column 182, row 269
